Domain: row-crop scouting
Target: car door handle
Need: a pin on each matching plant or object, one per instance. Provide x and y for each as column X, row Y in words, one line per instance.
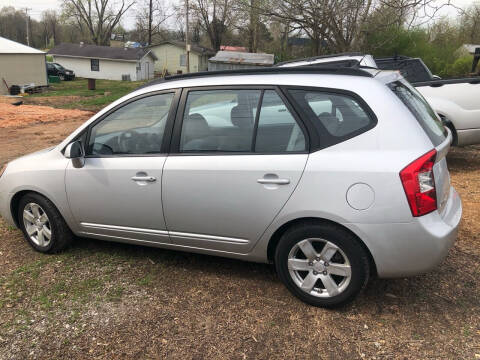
column 274, row 181
column 144, row 178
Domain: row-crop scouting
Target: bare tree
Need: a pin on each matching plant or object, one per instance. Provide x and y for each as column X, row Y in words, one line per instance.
column 470, row 24
column 340, row 24
column 50, row 24
column 99, row 17
column 249, row 12
column 151, row 15
column 214, row 17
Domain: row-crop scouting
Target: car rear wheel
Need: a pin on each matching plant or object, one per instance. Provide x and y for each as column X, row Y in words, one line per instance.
column 322, row 264
column 42, row 225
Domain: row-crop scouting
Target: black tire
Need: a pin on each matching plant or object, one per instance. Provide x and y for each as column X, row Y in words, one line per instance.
column 345, row 241
column 61, row 235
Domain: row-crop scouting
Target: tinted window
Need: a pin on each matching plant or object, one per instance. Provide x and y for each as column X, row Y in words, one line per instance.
column 94, row 65
column 277, row 129
column 136, row 128
column 219, row 120
column 341, row 116
column 422, row 111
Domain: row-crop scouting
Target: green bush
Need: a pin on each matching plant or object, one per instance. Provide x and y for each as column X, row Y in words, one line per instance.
column 461, row 67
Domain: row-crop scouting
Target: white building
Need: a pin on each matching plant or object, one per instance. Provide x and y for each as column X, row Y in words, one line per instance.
column 20, row 65
column 104, row 62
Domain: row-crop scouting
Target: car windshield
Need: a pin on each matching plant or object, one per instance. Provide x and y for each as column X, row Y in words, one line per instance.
column 59, row 67
column 421, row 109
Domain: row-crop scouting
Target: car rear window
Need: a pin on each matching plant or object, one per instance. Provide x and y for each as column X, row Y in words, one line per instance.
column 337, row 116
column 422, row 111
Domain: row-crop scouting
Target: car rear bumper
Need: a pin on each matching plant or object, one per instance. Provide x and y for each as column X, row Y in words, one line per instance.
column 406, row 249
column 468, row 137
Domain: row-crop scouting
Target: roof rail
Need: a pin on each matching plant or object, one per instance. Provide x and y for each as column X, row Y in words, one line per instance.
column 312, row 58
column 263, row 71
column 394, row 57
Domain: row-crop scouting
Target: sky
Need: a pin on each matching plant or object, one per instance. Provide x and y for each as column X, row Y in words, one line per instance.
column 37, row 6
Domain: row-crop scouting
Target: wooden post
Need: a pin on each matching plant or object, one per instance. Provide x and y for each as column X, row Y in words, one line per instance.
column 187, row 40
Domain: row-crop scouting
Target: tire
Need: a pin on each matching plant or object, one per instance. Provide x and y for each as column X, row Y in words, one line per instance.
column 335, row 257
column 55, row 233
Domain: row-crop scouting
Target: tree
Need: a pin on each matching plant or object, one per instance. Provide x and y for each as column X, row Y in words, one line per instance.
column 50, row 24
column 99, row 17
column 12, row 24
column 215, row 17
column 151, row 15
column 470, row 24
column 340, row 25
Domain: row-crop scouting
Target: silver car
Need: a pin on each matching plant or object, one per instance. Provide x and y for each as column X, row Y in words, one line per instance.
column 333, row 175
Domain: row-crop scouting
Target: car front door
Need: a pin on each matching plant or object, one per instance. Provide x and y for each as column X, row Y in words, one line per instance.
column 237, row 156
column 117, row 193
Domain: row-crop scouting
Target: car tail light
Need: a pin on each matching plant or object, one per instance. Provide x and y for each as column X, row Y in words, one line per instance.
column 419, row 184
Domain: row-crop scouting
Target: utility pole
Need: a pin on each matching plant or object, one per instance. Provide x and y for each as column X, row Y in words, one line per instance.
column 28, row 25
column 150, row 20
column 187, row 40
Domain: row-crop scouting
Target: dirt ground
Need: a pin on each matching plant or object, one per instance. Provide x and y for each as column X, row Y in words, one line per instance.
column 104, row 300
column 12, row 116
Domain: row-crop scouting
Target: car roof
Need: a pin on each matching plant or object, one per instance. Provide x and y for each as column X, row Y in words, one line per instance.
column 203, row 75
column 299, row 76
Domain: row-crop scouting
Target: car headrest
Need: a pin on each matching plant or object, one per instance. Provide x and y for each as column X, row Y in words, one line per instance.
column 196, row 126
column 241, row 116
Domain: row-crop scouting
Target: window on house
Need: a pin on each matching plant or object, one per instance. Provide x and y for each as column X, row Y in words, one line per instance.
column 94, row 65
column 183, row 60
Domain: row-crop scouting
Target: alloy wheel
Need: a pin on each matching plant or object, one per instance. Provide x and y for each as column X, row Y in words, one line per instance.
column 37, row 224
column 319, row 267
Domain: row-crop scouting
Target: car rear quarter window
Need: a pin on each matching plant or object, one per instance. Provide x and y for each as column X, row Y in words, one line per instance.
column 421, row 109
column 336, row 116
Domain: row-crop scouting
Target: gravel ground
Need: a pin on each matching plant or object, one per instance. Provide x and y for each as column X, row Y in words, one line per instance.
column 104, row 300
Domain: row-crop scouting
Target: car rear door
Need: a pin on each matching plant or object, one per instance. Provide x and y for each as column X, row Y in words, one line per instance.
column 233, row 165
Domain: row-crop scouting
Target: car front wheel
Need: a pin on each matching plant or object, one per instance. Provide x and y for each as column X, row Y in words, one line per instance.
column 322, row 264
column 42, row 225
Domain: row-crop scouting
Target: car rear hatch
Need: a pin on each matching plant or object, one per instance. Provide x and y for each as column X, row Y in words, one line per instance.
column 439, row 135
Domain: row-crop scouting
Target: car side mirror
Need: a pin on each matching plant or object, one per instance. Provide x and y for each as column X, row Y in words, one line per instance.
column 75, row 152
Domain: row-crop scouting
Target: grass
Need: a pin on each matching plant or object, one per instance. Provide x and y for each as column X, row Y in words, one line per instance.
column 106, row 92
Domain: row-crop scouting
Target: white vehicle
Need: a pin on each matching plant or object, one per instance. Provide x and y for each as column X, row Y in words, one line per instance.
column 456, row 101
column 340, row 60
column 332, row 175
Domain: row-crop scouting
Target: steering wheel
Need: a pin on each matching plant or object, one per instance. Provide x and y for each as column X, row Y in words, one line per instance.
column 125, row 140
column 102, row 149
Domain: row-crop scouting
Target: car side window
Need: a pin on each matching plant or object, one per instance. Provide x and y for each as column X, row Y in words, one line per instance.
column 219, row 120
column 340, row 115
column 136, row 128
column 277, row 129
